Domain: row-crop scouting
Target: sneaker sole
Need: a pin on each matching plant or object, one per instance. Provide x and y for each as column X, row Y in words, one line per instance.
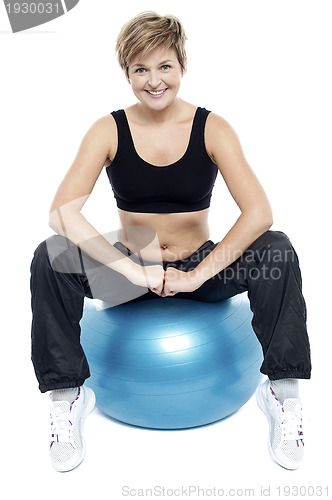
column 262, row 406
column 88, row 408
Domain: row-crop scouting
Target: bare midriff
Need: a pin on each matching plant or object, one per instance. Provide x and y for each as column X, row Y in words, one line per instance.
column 171, row 236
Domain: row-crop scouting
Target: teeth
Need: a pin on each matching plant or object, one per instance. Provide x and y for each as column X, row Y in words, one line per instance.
column 156, row 93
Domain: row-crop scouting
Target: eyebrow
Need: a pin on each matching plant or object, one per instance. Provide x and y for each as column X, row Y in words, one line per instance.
column 162, row 62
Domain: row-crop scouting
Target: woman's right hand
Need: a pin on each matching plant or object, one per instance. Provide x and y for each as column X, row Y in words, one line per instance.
column 152, row 277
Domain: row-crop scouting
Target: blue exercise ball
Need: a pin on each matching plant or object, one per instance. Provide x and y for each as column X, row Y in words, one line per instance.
column 170, row 363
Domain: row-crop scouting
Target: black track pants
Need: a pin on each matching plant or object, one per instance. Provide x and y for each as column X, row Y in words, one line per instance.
column 62, row 276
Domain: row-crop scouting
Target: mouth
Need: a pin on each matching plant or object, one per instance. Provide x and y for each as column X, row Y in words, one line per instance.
column 156, row 93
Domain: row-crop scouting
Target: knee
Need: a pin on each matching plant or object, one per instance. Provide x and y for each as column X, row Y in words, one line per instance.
column 278, row 248
column 58, row 253
column 39, row 255
column 43, row 250
column 279, row 241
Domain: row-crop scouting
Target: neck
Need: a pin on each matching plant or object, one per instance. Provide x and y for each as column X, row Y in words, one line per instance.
column 159, row 117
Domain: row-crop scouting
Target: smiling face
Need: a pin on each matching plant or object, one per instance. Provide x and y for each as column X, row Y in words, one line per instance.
column 156, row 78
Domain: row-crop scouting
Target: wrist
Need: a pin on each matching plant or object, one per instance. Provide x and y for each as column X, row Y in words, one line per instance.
column 124, row 266
column 197, row 277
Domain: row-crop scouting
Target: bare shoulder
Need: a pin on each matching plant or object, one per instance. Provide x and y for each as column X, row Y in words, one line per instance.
column 105, row 130
column 104, row 125
column 218, row 128
column 221, row 140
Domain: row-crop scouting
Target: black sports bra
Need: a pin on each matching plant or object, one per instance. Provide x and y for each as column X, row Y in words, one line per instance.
column 183, row 186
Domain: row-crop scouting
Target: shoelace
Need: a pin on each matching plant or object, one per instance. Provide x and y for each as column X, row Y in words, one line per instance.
column 61, row 428
column 291, row 427
column 290, row 422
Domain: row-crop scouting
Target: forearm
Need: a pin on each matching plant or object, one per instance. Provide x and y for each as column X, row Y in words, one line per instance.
column 74, row 226
column 248, row 227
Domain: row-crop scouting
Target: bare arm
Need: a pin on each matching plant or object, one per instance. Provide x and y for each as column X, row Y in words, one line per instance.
column 65, row 212
column 224, row 147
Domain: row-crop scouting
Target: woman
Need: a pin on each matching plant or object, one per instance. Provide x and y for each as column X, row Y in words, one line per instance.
column 162, row 156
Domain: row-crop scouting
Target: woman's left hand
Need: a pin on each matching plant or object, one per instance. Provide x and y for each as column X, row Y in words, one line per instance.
column 176, row 281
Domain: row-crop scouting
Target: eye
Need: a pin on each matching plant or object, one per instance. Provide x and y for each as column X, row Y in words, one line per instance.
column 140, row 70
column 166, row 66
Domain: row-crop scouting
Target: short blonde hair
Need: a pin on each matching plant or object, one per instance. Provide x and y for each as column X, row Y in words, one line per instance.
column 145, row 32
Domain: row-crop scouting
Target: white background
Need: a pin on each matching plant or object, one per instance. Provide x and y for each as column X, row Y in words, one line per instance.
column 265, row 67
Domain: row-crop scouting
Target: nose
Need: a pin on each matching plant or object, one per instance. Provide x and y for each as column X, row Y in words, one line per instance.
column 154, row 79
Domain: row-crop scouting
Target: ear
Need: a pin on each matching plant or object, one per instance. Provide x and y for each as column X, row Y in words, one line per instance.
column 184, row 70
column 126, row 75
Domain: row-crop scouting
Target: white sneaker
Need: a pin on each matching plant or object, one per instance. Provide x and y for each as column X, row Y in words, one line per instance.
column 68, row 448
column 285, row 443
